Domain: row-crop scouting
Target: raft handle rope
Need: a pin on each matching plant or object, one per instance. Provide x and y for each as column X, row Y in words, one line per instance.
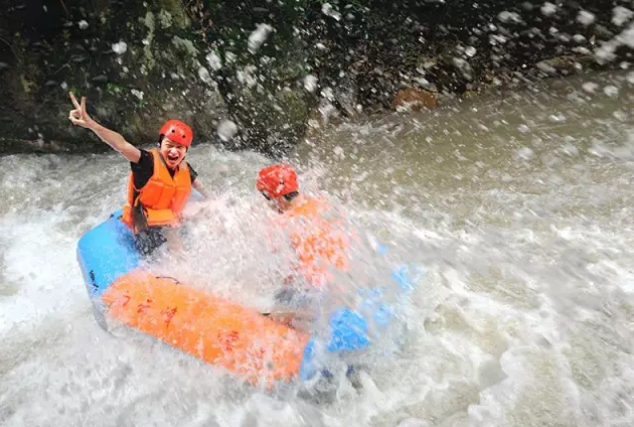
column 168, row 277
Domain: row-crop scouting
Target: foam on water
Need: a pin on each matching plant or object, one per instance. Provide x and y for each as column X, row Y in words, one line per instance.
column 525, row 316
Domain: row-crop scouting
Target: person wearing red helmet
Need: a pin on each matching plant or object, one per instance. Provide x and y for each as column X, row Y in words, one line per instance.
column 279, row 185
column 160, row 181
column 318, row 240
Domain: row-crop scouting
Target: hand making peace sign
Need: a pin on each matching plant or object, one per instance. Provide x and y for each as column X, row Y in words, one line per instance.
column 79, row 116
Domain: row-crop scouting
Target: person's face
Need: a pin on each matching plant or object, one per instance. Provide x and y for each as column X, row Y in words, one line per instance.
column 172, row 152
column 280, row 205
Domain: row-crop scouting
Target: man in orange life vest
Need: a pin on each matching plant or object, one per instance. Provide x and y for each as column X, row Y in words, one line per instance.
column 319, row 243
column 160, row 182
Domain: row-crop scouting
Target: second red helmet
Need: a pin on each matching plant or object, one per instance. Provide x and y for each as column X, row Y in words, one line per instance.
column 277, row 181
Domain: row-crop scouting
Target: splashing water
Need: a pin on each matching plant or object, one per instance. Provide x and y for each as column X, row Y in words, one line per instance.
column 523, row 223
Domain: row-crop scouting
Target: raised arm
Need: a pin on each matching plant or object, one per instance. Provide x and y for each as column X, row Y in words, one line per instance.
column 79, row 117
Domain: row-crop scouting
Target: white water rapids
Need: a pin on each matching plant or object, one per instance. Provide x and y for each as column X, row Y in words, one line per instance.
column 521, row 208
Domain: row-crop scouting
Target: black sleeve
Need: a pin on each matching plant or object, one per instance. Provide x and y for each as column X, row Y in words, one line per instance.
column 192, row 173
column 143, row 170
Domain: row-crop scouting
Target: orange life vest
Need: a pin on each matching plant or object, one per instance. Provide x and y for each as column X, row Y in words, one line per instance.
column 319, row 243
column 161, row 201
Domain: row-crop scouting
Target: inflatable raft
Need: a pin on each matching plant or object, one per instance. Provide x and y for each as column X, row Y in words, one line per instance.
column 214, row 330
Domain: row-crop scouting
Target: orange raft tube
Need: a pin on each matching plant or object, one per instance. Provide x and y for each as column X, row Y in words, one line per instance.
column 215, row 330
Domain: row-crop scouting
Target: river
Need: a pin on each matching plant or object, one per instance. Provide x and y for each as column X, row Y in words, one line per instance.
column 520, row 207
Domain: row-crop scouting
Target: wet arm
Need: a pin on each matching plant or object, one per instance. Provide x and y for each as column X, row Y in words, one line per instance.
column 80, row 117
column 116, row 141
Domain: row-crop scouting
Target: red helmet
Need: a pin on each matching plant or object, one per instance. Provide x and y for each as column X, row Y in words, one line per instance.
column 178, row 132
column 276, row 181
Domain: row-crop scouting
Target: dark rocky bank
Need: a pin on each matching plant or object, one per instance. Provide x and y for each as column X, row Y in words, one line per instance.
column 269, row 67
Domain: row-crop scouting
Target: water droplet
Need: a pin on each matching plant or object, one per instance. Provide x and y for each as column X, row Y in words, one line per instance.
column 258, row 37
column 590, row 87
column 548, row 9
column 227, row 130
column 585, row 17
column 611, row 91
column 524, row 153
column 310, row 83
column 327, row 10
column 214, row 61
column 120, row 48
column 620, row 15
column 470, row 51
